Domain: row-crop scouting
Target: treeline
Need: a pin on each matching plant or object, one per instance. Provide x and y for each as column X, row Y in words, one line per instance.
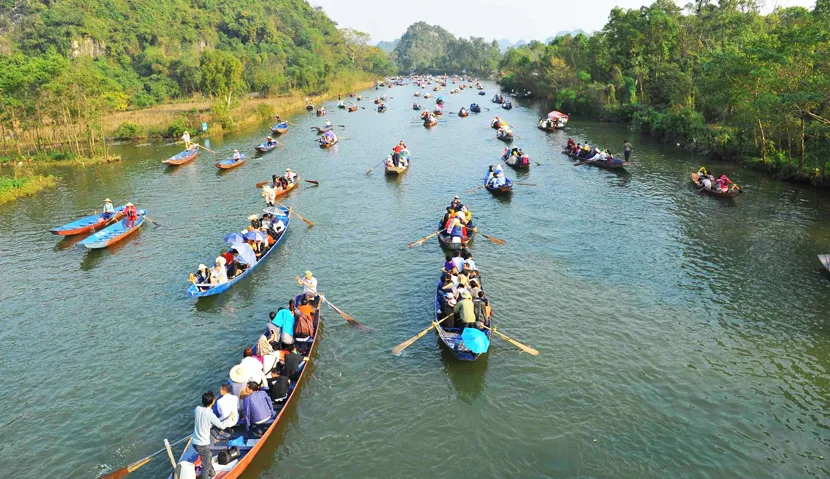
column 70, row 62
column 721, row 78
column 427, row 48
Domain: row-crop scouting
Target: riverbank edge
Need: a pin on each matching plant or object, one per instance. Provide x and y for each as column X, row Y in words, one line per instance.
column 30, row 186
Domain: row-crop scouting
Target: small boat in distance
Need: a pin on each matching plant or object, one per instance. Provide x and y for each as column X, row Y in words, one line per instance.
column 230, row 163
column 279, row 128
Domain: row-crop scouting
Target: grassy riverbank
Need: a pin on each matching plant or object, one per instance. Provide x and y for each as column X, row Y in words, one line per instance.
column 170, row 120
column 57, row 158
column 14, row 188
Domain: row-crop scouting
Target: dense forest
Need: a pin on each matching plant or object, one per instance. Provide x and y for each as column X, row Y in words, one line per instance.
column 427, row 48
column 69, row 62
column 720, row 78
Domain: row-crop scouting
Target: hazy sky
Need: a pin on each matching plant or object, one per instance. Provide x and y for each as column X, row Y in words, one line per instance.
column 511, row 19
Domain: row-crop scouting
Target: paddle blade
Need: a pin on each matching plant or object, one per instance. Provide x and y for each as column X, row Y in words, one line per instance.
column 118, row 474
column 519, row 345
column 261, row 184
column 409, row 342
column 313, row 182
column 494, row 240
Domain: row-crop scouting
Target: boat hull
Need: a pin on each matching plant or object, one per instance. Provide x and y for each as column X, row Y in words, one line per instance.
column 87, row 224
column 231, row 164
column 112, row 234
column 450, row 337
column 716, row 194
column 446, row 241
column 182, row 158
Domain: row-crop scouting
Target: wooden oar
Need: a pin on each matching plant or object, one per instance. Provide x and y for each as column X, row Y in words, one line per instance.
column 342, row 313
column 309, row 223
column 494, row 240
column 512, row 341
column 421, row 241
column 124, row 471
column 409, row 342
column 525, row 184
column 580, row 163
column 474, row 189
column 202, row 147
column 313, row 182
column 538, row 164
column 290, row 123
column 341, row 126
column 151, row 221
column 373, row 168
column 262, row 183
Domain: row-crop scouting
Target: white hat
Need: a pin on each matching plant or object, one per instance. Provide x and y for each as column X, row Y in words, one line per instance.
column 288, row 169
column 253, row 217
column 456, row 197
column 239, row 374
column 107, row 200
column 129, row 204
column 202, row 266
column 221, row 261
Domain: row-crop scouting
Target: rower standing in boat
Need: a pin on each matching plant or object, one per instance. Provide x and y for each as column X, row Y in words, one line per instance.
column 186, row 139
column 236, row 155
column 627, row 150
column 108, row 211
column 270, row 195
column 204, row 419
column 131, row 215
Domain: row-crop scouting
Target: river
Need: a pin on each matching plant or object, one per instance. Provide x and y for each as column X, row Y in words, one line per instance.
column 680, row 335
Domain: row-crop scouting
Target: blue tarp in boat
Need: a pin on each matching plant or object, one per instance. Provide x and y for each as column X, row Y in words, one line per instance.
column 475, row 340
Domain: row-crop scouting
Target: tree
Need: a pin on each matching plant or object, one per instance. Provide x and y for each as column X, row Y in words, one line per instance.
column 221, row 75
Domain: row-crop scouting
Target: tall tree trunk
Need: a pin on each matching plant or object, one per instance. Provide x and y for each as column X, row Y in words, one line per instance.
column 763, row 143
column 801, row 158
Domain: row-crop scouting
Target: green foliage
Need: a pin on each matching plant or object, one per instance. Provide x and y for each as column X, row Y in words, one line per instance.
column 127, row 131
column 720, row 78
column 176, row 128
column 427, row 48
column 265, row 111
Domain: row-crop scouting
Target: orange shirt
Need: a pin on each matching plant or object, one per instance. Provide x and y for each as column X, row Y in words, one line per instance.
column 306, row 309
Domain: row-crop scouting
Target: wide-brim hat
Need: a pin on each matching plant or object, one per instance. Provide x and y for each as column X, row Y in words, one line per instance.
column 129, row 204
column 308, row 274
column 239, row 374
column 107, row 200
column 253, row 217
column 221, row 261
column 466, row 294
column 202, row 266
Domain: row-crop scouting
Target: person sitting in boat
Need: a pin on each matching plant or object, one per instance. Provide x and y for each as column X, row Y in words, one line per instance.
column 131, row 215
column 497, row 180
column 257, row 409
column 722, row 182
column 227, row 406
column 490, row 174
column 465, row 311
column 236, row 155
column 596, row 156
column 108, row 212
column 290, row 176
column 456, row 204
column 574, row 149
column 456, row 232
column 571, row 143
column 219, row 274
column 328, row 123
column 202, row 276
column 186, row 140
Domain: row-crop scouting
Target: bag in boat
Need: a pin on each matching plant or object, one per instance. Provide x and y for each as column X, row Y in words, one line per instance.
column 228, row 456
column 237, row 442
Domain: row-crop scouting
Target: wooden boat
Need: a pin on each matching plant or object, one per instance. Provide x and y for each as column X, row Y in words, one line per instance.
column 398, row 170
column 321, row 112
column 825, row 260
column 445, row 240
column 182, row 158
column 416, row 107
column 516, row 162
column 507, row 105
column 429, row 123
column 254, row 445
column 505, row 136
column 87, row 224
column 381, row 108
column 608, row 165
column 731, row 193
column 280, row 128
column 377, row 101
column 417, row 93
column 341, row 105
column 231, row 163
column 324, row 129
column 438, row 112
column 546, row 125
column 359, row 97
column 482, row 93
column 498, row 99
column 325, row 145
column 463, row 113
column 265, row 147
column 352, row 95
column 287, row 190
column 309, row 106
column 194, row 292
column 428, row 95
column 505, row 189
column 113, row 233
column 352, row 108
column 475, row 108
column 451, row 337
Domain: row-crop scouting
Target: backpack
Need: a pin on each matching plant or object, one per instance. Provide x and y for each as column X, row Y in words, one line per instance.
column 304, row 326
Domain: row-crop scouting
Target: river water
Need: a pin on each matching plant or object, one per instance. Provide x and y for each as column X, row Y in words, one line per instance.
column 680, row 335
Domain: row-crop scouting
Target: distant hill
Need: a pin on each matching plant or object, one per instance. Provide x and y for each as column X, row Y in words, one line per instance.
column 429, row 48
column 388, row 47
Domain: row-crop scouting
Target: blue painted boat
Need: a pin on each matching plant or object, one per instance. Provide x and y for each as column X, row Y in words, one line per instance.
column 182, row 158
column 279, row 128
column 253, row 443
column 451, row 337
column 194, row 292
column 86, row 224
column 264, row 147
column 499, row 190
column 231, row 163
column 113, row 234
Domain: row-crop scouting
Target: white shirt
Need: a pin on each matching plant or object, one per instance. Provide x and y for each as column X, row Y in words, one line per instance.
column 279, row 226
column 236, row 155
column 310, row 285
column 186, row 137
column 219, row 274
column 254, row 369
column 471, row 263
column 227, row 405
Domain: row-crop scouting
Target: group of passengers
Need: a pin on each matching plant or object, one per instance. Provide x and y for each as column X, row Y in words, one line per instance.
column 399, row 158
column 495, row 177
column 586, row 153
column 277, row 186
column 253, row 242
column 461, row 300
column 707, row 180
column 457, row 222
column 260, row 383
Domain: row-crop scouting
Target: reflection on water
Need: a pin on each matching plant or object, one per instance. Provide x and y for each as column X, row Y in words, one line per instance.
column 467, row 377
